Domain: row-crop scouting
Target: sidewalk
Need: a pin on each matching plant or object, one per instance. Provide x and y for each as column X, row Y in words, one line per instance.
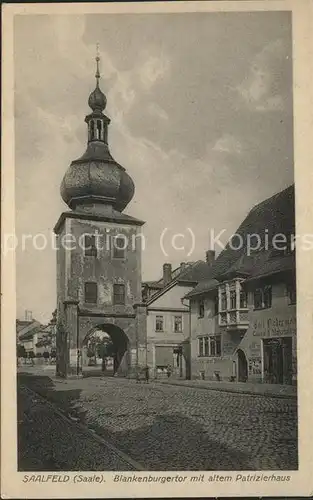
column 275, row 390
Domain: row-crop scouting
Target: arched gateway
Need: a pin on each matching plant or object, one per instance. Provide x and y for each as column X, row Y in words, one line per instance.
column 106, row 341
column 98, row 254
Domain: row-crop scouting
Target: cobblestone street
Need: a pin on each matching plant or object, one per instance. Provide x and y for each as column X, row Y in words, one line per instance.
column 173, row 428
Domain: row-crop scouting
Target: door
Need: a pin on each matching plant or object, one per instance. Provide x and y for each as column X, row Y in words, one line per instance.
column 242, row 366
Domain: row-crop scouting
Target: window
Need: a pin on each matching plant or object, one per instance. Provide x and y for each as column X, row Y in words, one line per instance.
column 209, row 345
column 292, row 293
column 178, row 324
column 223, row 301
column 90, row 248
column 205, row 346
column 91, row 293
column 118, row 294
column 258, row 299
column 216, row 306
column 99, row 129
column 200, row 346
column 243, row 300
column 201, row 309
column 119, row 246
column 263, row 297
column 267, row 296
column 159, row 324
column 233, row 299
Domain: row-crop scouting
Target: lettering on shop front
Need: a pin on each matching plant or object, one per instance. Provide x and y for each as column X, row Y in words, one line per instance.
column 274, row 327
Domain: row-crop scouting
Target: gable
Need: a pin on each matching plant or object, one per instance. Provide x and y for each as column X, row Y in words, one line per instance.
column 172, row 297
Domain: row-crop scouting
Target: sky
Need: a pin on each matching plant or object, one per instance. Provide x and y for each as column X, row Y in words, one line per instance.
column 201, row 118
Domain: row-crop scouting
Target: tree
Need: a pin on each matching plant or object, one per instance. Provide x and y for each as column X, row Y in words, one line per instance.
column 46, row 355
column 31, row 356
column 21, row 351
column 105, row 349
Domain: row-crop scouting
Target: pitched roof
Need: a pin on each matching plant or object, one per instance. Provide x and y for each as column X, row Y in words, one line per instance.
column 30, row 333
column 197, row 271
column 191, row 274
column 23, row 326
column 203, row 286
column 272, row 216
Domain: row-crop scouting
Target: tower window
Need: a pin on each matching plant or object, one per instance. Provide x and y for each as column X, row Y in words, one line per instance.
column 118, row 294
column 91, row 293
column 119, row 244
column 90, row 248
column 92, row 130
column 99, row 129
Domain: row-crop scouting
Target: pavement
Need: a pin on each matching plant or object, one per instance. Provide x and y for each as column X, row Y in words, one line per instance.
column 178, row 427
column 275, row 390
column 47, row 441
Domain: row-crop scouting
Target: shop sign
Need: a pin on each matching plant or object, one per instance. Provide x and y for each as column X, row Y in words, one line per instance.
column 274, row 327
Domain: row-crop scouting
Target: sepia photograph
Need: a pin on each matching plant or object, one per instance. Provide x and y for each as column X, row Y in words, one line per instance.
column 155, row 248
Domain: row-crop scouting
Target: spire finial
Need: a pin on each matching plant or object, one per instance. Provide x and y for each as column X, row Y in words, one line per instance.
column 97, row 61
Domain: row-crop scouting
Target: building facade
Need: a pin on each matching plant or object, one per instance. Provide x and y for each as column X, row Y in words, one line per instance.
column 99, row 271
column 168, row 318
column 243, row 318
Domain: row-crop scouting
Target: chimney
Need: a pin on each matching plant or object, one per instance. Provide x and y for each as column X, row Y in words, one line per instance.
column 210, row 257
column 167, row 273
column 28, row 315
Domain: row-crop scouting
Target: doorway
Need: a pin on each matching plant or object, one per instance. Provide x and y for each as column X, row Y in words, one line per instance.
column 242, row 366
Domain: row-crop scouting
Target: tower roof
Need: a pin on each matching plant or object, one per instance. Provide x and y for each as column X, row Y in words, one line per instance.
column 95, row 182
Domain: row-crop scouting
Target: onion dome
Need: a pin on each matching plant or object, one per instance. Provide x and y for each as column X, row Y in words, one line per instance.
column 96, row 179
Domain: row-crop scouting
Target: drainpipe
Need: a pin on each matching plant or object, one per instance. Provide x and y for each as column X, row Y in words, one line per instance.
column 189, row 310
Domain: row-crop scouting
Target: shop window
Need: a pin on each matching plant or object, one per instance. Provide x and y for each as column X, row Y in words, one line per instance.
column 233, row 299
column 178, row 324
column 201, row 309
column 91, row 293
column 118, row 294
column 90, row 249
column 159, row 324
column 119, row 247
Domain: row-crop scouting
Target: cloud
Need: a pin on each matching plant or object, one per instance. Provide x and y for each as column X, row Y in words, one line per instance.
column 153, row 69
column 156, row 110
column 228, row 144
column 262, row 86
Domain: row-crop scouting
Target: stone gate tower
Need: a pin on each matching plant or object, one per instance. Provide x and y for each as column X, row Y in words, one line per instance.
column 99, row 255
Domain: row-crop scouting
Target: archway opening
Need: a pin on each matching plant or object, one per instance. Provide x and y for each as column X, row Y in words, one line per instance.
column 105, row 351
column 242, row 366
